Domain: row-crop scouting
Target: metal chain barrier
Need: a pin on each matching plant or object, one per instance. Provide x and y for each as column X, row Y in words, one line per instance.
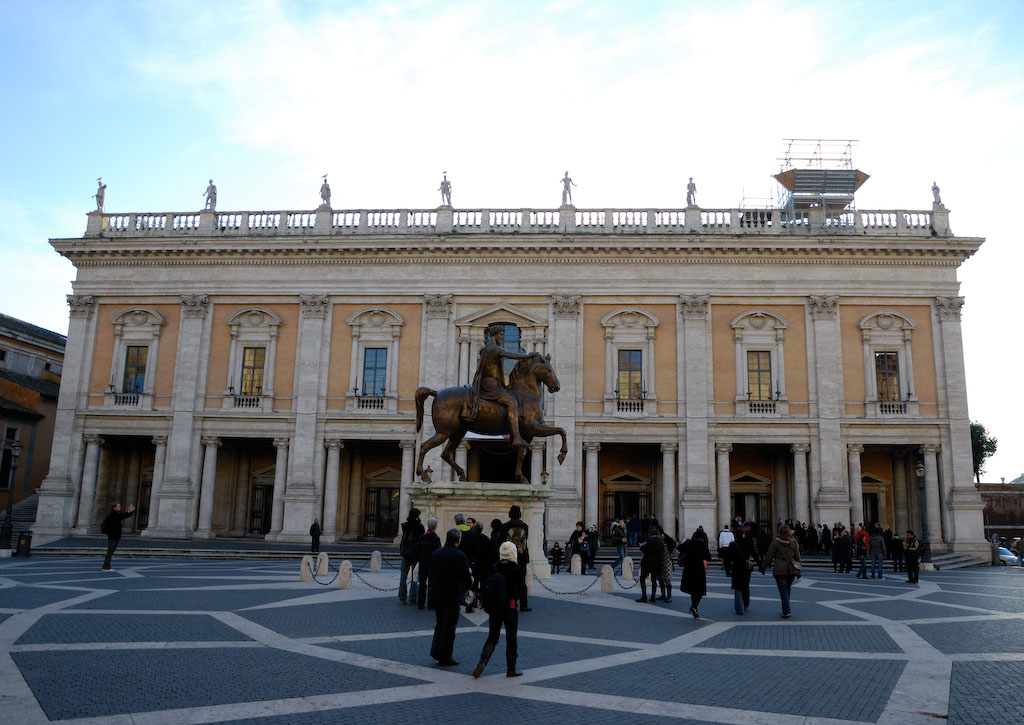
column 581, row 591
column 379, row 589
column 636, row 580
column 337, row 572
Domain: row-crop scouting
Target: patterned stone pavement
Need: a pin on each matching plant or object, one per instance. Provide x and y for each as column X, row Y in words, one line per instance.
column 180, row 641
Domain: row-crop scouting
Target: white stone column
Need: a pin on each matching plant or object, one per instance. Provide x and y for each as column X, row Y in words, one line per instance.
column 592, row 483
column 668, row 488
column 58, row 506
column 280, row 476
column 780, row 490
column 355, row 496
column 900, row 517
column 931, row 496
column 801, row 493
column 408, row 471
column 722, row 451
column 331, row 485
column 464, row 373
column 159, row 457
column 853, row 452
column 240, row 506
column 131, row 495
column 536, row 461
column 205, row 528
column 87, row 500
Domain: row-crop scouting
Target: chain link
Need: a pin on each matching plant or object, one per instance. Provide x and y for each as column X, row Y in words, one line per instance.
column 379, row 589
column 581, row 591
column 336, row 573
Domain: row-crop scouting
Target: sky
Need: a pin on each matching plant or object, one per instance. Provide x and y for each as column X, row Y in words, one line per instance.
column 633, row 98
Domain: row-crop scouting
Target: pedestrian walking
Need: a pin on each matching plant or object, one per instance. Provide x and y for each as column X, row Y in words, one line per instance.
column 428, row 544
column 619, row 540
column 577, row 545
column 593, row 545
column 314, row 536
column 695, row 557
column 449, row 580
column 111, row 526
column 740, row 567
column 518, row 532
column 633, row 527
column 860, row 545
column 412, row 530
column 501, row 601
column 653, row 549
column 896, row 552
column 913, row 551
column 876, row 548
column 784, row 557
column 667, row 561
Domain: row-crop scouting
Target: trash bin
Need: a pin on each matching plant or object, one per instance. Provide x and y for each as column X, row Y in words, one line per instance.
column 24, row 544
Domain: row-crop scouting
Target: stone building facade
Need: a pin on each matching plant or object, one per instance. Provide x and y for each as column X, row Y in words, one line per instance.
column 240, row 373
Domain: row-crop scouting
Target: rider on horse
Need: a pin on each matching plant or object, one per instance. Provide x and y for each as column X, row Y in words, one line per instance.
column 489, row 381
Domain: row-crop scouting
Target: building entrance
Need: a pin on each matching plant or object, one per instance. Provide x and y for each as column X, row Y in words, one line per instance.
column 381, row 520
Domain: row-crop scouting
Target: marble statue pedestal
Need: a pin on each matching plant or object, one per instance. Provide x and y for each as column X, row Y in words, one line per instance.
column 486, row 501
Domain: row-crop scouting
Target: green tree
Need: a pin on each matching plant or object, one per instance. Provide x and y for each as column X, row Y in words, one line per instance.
column 982, row 446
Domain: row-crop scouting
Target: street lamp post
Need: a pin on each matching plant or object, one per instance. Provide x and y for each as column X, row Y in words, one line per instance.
column 926, row 549
column 8, row 528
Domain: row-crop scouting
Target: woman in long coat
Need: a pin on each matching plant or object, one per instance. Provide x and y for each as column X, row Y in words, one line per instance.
column 784, row 558
column 694, row 582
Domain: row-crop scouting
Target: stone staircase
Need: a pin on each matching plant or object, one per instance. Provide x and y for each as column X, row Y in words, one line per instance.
column 23, row 516
column 942, row 562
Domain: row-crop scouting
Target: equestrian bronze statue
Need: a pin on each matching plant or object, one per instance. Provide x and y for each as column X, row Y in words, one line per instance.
column 489, row 407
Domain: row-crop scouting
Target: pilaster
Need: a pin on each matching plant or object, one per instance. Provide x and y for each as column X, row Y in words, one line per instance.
column 434, row 350
column 697, row 495
column 564, row 508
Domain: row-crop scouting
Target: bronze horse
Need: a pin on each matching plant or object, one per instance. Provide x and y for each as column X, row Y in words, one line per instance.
column 451, row 404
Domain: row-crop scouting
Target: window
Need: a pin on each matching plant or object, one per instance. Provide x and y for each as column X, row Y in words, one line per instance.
column 3, row 355
column 375, row 369
column 253, row 360
column 760, row 362
column 887, row 376
column 135, row 358
column 630, row 382
column 512, row 343
column 759, row 374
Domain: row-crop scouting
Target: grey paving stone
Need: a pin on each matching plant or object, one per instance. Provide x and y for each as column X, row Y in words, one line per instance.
column 838, row 638
column 983, row 693
column 1006, row 603
column 205, row 600
column 797, row 685
column 450, row 709
column 29, row 597
column 571, row 617
column 907, row 609
column 75, row 628
column 3, row 617
column 533, row 652
column 97, row 683
column 1003, row 635
column 366, row 616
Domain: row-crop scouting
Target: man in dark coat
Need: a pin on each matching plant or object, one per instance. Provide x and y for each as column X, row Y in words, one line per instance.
column 518, row 532
column 913, row 551
column 428, row 544
column 314, row 535
column 507, row 616
column 112, row 527
column 650, row 566
column 449, row 580
column 412, row 530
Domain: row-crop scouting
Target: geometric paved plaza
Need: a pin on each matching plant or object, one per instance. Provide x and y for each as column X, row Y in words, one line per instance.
column 186, row 641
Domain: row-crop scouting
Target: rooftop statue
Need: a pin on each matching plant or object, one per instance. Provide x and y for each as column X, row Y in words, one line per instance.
column 567, row 185
column 691, row 193
column 101, row 193
column 936, row 198
column 325, row 193
column 489, row 407
column 446, row 191
column 211, row 196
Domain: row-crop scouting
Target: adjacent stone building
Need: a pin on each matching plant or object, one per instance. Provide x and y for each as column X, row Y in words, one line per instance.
column 238, row 373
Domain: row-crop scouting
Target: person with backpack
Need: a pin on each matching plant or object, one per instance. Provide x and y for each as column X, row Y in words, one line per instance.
column 501, row 593
column 429, row 543
column 111, row 526
column 412, row 530
column 518, row 532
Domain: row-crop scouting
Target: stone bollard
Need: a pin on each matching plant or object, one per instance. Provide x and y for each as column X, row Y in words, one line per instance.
column 528, row 577
column 345, row 575
column 576, row 565
column 607, row 579
column 306, row 569
column 323, row 564
column 627, row 568
column 375, row 561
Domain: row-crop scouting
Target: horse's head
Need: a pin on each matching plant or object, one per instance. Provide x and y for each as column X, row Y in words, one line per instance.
column 539, row 367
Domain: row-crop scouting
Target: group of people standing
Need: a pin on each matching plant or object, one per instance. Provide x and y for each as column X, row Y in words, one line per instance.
column 470, row 569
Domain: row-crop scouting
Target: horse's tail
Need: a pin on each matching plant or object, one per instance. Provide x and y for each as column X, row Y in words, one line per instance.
column 421, row 395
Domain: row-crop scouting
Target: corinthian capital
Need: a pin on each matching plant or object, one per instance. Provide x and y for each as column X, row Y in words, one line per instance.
column 694, row 307
column 437, row 305
column 823, row 307
column 566, row 305
column 194, row 305
column 81, row 305
column 314, row 307
column 949, row 307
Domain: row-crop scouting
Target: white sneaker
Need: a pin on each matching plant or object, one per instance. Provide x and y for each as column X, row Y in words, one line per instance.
column 106, row 570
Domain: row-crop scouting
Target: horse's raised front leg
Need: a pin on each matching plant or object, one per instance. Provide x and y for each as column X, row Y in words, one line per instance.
column 542, row 431
column 520, row 455
column 436, row 440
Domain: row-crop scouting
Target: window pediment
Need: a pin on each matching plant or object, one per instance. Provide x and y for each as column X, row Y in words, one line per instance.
column 254, row 317
column 758, row 320
column 376, row 318
column 630, row 318
column 138, row 317
column 886, row 320
column 501, row 313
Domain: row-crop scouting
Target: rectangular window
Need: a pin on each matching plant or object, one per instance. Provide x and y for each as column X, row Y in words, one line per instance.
column 375, row 368
column 252, row 370
column 134, row 369
column 887, row 376
column 631, row 382
column 759, row 375
column 3, row 355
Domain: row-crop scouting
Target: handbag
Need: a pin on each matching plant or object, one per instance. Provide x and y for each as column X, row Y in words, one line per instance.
column 469, row 598
column 798, row 568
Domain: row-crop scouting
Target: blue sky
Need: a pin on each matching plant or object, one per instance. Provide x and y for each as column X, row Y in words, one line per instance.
column 632, row 98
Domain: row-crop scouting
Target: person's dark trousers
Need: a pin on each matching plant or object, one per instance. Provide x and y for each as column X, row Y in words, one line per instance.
column 620, row 552
column 421, row 595
column 632, row 538
column 524, row 605
column 510, row 619
column 863, row 571
column 316, row 544
column 403, row 586
column 644, row 573
column 913, row 569
column 444, row 633
column 111, row 545
column 784, row 584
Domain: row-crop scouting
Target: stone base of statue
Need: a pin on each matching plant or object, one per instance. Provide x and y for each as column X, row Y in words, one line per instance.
column 484, row 502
